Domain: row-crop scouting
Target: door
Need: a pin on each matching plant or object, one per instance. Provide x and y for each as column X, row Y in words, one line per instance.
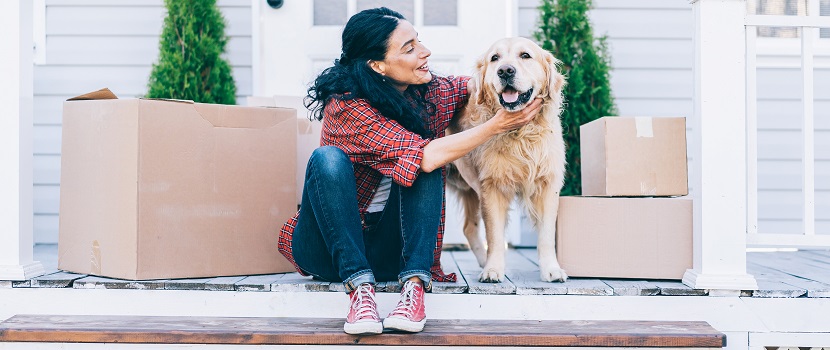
column 299, row 39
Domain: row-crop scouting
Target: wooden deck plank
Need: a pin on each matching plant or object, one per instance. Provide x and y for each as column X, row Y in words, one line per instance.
column 227, row 284
column 632, row 287
column 813, row 288
column 294, row 282
column 186, row 283
column 60, row 279
column 678, row 289
column 449, row 265
column 770, row 285
column 257, row 283
column 524, row 274
column 579, row 286
column 95, row 282
column 469, row 268
column 310, row 331
column 795, row 264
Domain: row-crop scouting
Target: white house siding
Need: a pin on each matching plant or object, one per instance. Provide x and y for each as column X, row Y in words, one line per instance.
column 652, row 53
column 91, row 44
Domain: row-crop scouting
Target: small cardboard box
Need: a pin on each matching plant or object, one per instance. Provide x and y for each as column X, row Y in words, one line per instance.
column 634, row 156
column 308, row 132
column 154, row 189
column 625, row 237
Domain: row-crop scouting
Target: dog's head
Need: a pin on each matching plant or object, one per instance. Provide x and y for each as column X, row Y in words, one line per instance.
column 513, row 72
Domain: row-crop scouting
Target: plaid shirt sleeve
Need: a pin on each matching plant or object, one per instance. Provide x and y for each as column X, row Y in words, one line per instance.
column 375, row 141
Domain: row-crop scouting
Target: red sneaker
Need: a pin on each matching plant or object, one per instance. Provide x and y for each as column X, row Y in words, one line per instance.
column 363, row 315
column 410, row 314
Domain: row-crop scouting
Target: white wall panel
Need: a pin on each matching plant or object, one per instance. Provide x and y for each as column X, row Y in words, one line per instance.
column 126, row 50
column 128, row 20
column 47, row 169
column 46, row 226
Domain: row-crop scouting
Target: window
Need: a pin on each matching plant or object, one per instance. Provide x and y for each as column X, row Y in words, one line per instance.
column 785, row 8
column 419, row 12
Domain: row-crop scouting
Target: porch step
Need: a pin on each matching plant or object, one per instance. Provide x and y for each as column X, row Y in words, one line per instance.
column 329, row 331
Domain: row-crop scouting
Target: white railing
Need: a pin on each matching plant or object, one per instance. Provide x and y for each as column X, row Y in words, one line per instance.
column 809, row 25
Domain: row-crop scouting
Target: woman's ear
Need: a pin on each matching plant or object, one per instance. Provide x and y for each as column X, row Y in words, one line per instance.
column 377, row 66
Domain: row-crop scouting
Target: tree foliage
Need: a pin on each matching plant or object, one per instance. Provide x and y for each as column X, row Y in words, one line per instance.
column 565, row 30
column 190, row 65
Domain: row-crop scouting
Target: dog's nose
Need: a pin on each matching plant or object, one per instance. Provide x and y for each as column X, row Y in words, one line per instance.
column 506, row 71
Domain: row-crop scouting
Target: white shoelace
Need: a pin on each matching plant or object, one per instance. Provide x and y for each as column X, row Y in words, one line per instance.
column 364, row 304
column 406, row 307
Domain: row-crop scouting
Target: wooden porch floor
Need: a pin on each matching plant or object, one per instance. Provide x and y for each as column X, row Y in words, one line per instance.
column 802, row 274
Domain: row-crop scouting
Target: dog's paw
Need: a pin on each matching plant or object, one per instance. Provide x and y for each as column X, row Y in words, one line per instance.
column 553, row 274
column 491, row 275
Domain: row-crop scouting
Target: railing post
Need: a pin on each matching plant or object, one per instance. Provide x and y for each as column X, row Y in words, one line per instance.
column 16, row 88
column 719, row 148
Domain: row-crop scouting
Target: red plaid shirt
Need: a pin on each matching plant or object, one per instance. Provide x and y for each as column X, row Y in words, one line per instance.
column 381, row 147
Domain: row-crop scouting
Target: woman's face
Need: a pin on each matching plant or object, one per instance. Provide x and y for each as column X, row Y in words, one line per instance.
column 406, row 58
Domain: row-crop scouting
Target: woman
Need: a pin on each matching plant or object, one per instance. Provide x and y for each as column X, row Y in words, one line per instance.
column 373, row 203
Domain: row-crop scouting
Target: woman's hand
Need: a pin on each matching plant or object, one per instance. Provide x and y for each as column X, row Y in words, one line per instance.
column 505, row 121
column 443, row 150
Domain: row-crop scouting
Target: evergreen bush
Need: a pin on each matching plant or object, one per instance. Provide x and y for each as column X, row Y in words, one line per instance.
column 565, row 30
column 190, row 66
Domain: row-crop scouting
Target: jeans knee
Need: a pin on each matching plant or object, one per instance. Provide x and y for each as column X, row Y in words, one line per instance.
column 330, row 161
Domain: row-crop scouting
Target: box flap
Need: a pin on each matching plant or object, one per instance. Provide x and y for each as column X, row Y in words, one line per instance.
column 103, row 94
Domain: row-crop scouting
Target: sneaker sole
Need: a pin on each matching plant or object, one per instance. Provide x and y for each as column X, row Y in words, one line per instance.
column 363, row 328
column 404, row 325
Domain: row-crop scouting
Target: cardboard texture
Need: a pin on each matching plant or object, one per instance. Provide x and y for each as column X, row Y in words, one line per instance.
column 154, row 189
column 634, row 156
column 308, row 132
column 625, row 237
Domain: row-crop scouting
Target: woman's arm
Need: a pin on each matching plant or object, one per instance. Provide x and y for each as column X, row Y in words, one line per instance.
column 441, row 151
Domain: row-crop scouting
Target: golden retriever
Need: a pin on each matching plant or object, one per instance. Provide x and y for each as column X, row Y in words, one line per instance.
column 528, row 162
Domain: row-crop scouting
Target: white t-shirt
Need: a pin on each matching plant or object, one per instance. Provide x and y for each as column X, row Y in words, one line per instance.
column 381, row 195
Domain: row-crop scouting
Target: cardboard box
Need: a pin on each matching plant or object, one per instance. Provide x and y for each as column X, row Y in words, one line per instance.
column 634, row 156
column 308, row 132
column 154, row 189
column 625, row 237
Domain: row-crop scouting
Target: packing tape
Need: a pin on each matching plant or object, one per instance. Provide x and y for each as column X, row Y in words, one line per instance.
column 644, row 126
column 95, row 258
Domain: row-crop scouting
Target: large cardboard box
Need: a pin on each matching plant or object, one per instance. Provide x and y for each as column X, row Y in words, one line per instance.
column 154, row 189
column 625, row 237
column 634, row 156
column 308, row 132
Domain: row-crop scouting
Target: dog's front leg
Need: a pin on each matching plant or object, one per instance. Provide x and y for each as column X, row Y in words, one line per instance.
column 494, row 205
column 547, row 204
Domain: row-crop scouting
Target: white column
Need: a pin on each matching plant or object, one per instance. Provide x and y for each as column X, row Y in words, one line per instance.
column 719, row 148
column 16, row 91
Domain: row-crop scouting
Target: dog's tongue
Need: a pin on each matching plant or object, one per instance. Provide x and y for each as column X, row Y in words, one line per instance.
column 510, row 95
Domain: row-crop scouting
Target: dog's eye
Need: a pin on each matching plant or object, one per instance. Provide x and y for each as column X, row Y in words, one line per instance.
column 494, row 58
column 525, row 55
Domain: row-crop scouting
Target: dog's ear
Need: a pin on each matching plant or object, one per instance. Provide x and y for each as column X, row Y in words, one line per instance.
column 556, row 81
column 478, row 78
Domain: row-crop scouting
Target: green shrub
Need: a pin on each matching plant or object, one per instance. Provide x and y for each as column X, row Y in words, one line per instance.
column 190, row 66
column 565, row 30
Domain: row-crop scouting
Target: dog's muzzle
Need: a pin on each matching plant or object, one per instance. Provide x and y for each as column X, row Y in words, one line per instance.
column 511, row 99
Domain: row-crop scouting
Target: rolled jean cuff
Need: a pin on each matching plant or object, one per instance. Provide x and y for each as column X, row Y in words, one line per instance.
column 424, row 275
column 360, row 277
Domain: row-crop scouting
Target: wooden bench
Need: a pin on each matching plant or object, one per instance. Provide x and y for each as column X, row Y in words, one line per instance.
column 326, row 331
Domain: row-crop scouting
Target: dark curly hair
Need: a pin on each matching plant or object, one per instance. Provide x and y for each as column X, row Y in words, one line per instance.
column 366, row 37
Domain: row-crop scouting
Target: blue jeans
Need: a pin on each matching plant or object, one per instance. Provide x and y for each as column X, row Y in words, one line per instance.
column 330, row 243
